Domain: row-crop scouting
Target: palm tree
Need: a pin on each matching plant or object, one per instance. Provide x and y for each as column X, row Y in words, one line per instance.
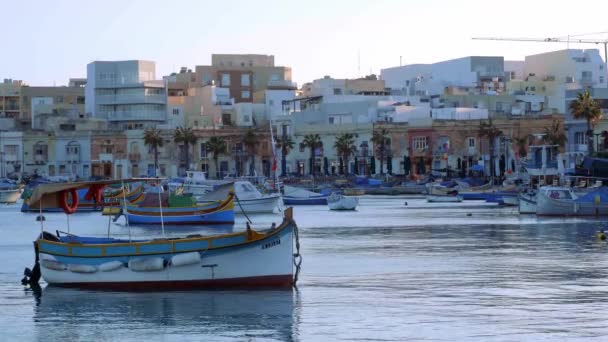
column 555, row 135
column 312, row 142
column 380, row 139
column 585, row 107
column 522, row 145
column 187, row 137
column 154, row 139
column 217, row 146
column 286, row 145
column 345, row 146
column 491, row 132
column 250, row 140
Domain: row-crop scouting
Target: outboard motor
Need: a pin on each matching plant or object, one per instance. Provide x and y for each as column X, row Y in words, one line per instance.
column 32, row 276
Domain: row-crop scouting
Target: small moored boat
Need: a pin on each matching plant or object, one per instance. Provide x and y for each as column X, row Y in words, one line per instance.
column 337, row 201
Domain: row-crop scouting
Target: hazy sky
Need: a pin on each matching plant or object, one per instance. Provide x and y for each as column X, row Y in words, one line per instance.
column 46, row 42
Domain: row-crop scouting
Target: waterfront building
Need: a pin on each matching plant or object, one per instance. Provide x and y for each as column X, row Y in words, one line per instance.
column 41, row 103
column 109, row 157
column 10, row 103
column 11, row 153
column 126, row 93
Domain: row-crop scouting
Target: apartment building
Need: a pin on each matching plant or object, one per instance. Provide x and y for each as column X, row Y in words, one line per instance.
column 244, row 75
column 126, row 93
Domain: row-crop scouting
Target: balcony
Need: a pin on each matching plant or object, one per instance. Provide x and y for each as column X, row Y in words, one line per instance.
column 40, row 159
column 137, row 115
column 282, row 84
column 106, row 157
column 134, row 157
column 130, row 99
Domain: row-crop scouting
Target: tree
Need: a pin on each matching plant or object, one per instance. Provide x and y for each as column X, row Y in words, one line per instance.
column 187, row 137
column 312, row 142
column 285, row 143
column 250, row 141
column 522, row 145
column 154, row 139
column 585, row 107
column 217, row 146
column 554, row 135
column 491, row 132
column 381, row 140
column 345, row 147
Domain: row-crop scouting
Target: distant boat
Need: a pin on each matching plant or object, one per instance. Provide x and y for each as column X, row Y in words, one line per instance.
column 443, row 198
column 527, row 202
column 337, row 201
column 248, row 198
column 245, row 259
column 555, row 201
column 296, row 196
column 10, row 192
column 452, row 196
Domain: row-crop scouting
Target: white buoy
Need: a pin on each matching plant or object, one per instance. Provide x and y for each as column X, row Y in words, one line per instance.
column 147, row 264
column 77, row 268
column 186, row 259
column 110, row 266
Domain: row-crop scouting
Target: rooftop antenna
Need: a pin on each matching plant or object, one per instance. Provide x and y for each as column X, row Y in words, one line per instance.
column 358, row 63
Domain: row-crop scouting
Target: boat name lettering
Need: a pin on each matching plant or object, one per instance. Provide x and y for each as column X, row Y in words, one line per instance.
column 271, row 243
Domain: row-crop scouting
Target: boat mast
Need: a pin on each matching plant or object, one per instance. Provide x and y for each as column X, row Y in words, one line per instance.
column 274, row 158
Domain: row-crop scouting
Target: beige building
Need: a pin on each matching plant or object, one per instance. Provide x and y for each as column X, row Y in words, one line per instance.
column 44, row 102
column 243, row 75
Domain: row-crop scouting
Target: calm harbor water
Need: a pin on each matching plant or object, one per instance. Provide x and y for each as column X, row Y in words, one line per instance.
column 385, row 272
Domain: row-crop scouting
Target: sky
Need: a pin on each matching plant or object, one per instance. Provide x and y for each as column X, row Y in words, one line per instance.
column 47, row 42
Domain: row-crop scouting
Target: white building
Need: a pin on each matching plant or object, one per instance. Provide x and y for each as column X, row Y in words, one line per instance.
column 125, row 92
column 433, row 79
column 11, row 153
column 576, row 68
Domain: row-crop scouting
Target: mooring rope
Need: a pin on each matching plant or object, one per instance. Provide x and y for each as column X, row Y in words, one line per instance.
column 242, row 210
column 297, row 257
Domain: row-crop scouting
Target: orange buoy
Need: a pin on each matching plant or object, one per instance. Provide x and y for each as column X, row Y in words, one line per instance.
column 62, row 198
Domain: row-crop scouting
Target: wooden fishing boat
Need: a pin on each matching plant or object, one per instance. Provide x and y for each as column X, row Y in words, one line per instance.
column 84, row 203
column 115, row 198
column 216, row 212
column 251, row 258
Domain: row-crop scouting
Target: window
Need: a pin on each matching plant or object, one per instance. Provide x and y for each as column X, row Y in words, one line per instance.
column 302, row 147
column 332, row 120
column 337, row 91
column 271, row 103
column 245, row 80
column 471, row 142
column 175, row 111
column 586, row 75
column 225, row 80
column 499, row 107
column 245, row 118
column 203, row 150
column 245, row 94
column 80, row 100
column 206, row 79
column 580, row 138
column 421, row 143
column 10, row 150
column 59, row 99
column 275, row 77
column 601, row 79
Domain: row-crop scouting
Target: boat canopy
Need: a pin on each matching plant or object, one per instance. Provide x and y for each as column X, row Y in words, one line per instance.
column 46, row 194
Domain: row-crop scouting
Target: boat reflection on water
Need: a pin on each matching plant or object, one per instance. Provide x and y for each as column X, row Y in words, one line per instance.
column 68, row 314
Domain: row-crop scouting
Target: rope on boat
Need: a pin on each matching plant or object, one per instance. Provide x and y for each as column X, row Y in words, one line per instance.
column 240, row 206
column 297, row 257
